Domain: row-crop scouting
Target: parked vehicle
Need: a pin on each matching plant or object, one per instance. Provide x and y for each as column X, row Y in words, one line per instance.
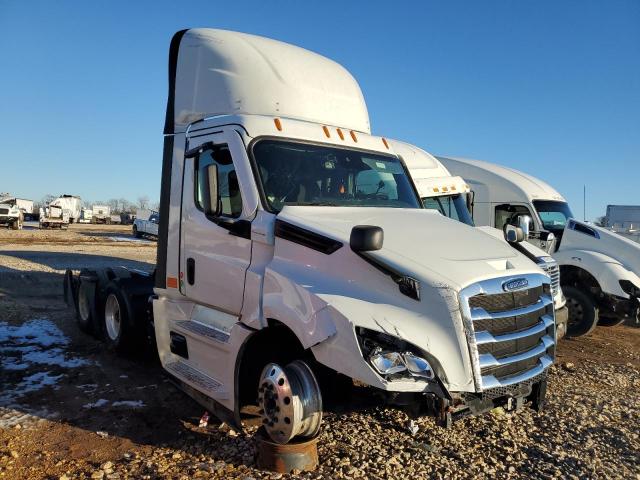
column 147, row 224
column 291, row 255
column 71, row 204
column 54, row 216
column 450, row 196
column 624, row 220
column 13, row 211
column 599, row 269
column 101, row 214
column 86, row 214
column 127, row 218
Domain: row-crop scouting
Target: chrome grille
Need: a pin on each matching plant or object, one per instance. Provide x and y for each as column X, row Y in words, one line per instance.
column 553, row 270
column 511, row 334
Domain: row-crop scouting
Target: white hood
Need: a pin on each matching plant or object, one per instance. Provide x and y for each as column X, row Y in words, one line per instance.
column 606, row 242
column 420, row 241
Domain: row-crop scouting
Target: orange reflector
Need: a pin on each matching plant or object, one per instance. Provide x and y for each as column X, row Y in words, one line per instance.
column 342, row 189
column 278, row 124
column 453, row 187
column 445, row 189
column 172, row 282
column 340, row 134
column 353, row 135
column 436, row 189
column 384, row 140
column 326, row 132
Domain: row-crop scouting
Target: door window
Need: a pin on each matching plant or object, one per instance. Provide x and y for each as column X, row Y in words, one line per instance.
column 228, row 186
column 507, row 213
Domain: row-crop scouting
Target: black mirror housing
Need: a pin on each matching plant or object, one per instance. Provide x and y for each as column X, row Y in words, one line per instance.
column 366, row 238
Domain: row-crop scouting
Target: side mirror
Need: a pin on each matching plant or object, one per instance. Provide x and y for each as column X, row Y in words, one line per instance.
column 513, row 234
column 211, row 198
column 366, row 238
column 524, row 221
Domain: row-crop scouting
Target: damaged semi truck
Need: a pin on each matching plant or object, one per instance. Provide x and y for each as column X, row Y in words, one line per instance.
column 293, row 247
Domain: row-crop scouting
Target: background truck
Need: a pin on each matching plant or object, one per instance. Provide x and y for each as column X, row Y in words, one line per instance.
column 54, row 216
column 624, row 220
column 291, row 257
column 451, row 196
column 101, row 214
column 13, row 211
column 599, row 269
column 86, row 214
column 146, row 223
column 71, row 204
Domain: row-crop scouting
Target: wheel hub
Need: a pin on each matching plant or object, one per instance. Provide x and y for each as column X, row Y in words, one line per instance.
column 290, row 401
column 112, row 317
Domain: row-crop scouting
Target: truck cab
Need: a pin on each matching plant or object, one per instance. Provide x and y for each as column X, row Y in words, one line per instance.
column 294, row 256
column 451, row 196
column 599, row 269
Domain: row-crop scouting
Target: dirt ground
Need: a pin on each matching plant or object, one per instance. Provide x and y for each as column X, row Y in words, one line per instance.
column 71, row 409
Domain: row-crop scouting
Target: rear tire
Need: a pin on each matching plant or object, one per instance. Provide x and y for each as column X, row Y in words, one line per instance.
column 84, row 307
column 583, row 313
column 136, row 233
column 118, row 331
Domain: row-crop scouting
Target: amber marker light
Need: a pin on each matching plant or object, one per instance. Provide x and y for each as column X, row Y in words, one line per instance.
column 278, row 124
column 326, row 132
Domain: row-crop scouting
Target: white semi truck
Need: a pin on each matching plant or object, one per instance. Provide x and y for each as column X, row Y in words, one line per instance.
column 293, row 250
column 599, row 269
column 101, row 214
column 451, row 196
column 71, row 205
column 13, row 211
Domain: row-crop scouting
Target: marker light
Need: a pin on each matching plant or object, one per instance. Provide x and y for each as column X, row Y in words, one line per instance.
column 326, row 132
column 278, row 124
column 340, row 134
column 386, row 144
column 353, row 136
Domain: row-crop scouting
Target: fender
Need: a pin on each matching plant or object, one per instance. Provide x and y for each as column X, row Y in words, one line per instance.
column 607, row 270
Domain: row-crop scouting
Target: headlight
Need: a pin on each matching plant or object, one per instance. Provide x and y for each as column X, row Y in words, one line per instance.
column 392, row 356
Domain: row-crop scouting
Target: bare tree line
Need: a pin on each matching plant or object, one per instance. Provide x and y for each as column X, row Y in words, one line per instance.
column 117, row 205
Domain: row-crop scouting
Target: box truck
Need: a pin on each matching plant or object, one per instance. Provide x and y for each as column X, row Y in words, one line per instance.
column 599, row 269
column 71, row 204
column 101, row 214
column 451, row 196
column 291, row 254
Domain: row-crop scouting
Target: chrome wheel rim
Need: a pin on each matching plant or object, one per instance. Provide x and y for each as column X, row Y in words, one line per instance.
column 83, row 303
column 112, row 317
column 290, row 401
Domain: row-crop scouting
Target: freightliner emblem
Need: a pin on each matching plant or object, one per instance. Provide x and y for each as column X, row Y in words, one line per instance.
column 515, row 284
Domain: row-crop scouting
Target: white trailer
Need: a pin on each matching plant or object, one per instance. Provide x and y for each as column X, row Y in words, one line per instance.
column 101, row 214
column 600, row 270
column 450, row 196
column 86, row 214
column 71, row 204
column 282, row 268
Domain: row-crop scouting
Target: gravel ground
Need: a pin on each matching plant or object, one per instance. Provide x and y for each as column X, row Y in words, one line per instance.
column 69, row 409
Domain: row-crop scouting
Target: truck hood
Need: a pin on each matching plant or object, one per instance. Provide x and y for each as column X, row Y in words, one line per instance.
column 417, row 241
column 604, row 241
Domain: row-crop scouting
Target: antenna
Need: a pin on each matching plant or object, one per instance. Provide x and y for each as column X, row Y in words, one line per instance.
column 584, row 202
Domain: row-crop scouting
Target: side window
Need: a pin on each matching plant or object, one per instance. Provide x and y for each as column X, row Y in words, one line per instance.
column 228, row 186
column 507, row 213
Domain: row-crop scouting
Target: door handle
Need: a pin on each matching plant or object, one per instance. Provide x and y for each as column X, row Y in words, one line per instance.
column 191, row 271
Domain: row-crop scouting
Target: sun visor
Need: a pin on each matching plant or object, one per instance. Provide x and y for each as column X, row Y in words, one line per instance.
column 219, row 72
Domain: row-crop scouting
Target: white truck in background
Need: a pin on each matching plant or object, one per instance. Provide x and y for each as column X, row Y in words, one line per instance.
column 451, row 196
column 86, row 214
column 624, row 220
column 101, row 214
column 599, row 270
column 53, row 216
column 70, row 204
column 13, row 211
column 146, row 224
column 283, row 272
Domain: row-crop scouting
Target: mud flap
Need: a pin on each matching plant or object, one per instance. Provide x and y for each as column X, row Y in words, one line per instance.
column 538, row 394
column 70, row 286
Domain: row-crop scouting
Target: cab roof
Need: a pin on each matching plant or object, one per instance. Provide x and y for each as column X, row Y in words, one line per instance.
column 504, row 184
column 218, row 72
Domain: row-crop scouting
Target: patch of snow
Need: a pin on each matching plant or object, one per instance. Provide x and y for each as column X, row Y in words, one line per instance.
column 54, row 356
column 36, row 332
column 97, row 404
column 129, row 403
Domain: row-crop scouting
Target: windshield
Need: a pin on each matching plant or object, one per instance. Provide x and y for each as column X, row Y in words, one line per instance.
column 301, row 174
column 554, row 215
column 452, row 206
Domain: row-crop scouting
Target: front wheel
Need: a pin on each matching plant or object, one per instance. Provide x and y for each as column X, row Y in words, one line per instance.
column 136, row 233
column 583, row 313
column 290, row 401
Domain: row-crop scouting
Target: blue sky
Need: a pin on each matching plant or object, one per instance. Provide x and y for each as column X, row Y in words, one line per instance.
column 551, row 88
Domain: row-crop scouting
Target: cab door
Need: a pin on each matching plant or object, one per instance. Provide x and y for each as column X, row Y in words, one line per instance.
column 215, row 251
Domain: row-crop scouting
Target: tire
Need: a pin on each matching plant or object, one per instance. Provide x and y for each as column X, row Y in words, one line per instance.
column 108, row 221
column 136, row 233
column 85, row 307
column 583, row 313
column 117, row 326
column 610, row 321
